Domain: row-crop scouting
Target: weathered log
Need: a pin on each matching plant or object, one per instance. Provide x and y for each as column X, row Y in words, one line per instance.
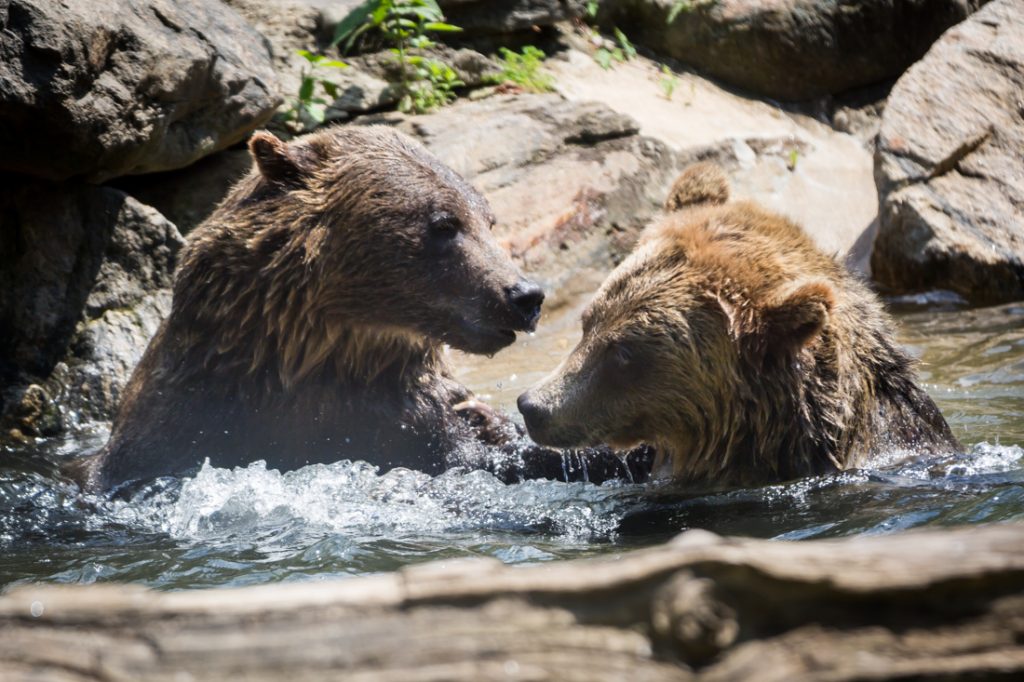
column 945, row 604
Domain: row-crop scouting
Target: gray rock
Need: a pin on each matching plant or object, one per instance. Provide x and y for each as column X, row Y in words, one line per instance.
column 288, row 26
column 949, row 165
column 475, row 17
column 103, row 89
column 81, row 275
column 187, row 196
column 486, row 17
column 470, row 66
column 791, row 49
column 104, row 352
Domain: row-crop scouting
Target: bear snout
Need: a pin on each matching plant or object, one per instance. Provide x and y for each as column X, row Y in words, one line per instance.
column 526, row 298
column 536, row 415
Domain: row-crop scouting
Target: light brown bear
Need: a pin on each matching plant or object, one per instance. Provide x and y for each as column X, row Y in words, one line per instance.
column 309, row 313
column 740, row 351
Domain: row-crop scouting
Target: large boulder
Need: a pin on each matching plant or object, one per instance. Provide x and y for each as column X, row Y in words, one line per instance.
column 790, row 49
column 949, row 165
column 103, row 89
column 84, row 273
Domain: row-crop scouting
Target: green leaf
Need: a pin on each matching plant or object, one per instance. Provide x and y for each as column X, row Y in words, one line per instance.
column 354, row 20
column 603, row 58
column 627, row 47
column 424, row 13
column 381, row 13
column 333, row 63
column 309, row 56
column 316, row 114
column 676, row 9
column 306, row 89
column 440, row 26
column 330, row 88
column 354, row 36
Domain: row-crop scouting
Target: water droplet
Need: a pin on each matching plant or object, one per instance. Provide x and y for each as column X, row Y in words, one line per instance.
column 36, row 609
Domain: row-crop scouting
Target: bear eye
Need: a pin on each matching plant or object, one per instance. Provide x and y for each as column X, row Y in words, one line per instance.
column 620, row 353
column 444, row 223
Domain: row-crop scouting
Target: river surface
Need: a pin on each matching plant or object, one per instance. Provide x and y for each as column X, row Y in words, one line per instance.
column 254, row 525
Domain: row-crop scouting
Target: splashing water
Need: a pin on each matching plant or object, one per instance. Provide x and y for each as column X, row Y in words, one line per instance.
column 254, row 525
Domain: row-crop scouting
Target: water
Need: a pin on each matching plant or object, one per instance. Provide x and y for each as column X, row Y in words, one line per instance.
column 255, row 526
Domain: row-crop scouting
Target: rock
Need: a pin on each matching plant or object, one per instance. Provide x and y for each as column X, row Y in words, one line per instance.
column 484, row 17
column 791, row 49
column 81, row 274
column 360, row 93
column 369, row 83
column 471, row 67
column 289, row 26
column 948, row 165
column 571, row 183
column 187, row 196
column 32, row 412
column 100, row 90
column 789, row 162
column 104, row 352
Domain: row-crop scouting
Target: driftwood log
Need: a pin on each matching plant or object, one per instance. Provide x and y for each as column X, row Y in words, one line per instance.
column 923, row 605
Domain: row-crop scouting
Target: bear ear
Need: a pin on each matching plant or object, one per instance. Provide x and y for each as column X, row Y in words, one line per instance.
column 700, row 184
column 797, row 316
column 275, row 160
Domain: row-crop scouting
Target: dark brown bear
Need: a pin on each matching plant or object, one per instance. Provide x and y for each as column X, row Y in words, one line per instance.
column 739, row 350
column 309, row 313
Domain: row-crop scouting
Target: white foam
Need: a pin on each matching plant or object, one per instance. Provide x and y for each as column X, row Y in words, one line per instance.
column 352, row 498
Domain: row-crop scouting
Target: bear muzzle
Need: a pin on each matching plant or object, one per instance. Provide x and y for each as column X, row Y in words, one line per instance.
column 543, row 426
column 525, row 299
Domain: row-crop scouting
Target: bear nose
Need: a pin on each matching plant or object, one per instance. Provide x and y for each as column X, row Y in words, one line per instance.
column 526, row 297
column 533, row 412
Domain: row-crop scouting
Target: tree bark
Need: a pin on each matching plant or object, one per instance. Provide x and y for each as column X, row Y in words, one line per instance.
column 946, row 604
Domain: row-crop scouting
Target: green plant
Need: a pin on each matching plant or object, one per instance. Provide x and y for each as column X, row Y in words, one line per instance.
column 433, row 87
column 622, row 52
column 308, row 109
column 592, row 6
column 524, row 69
column 425, row 83
column 627, row 47
column 668, row 82
column 794, row 156
column 680, row 6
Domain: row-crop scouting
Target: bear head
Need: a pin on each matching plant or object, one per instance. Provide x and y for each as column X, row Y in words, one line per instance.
column 716, row 300
column 394, row 239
